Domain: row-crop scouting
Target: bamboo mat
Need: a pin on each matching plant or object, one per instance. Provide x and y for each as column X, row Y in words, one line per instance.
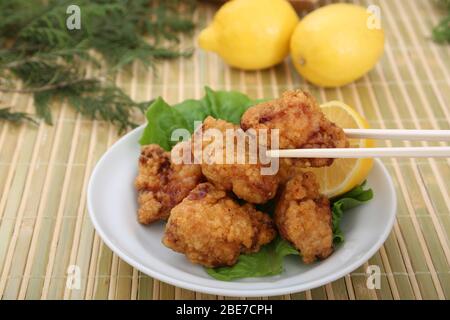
column 44, row 170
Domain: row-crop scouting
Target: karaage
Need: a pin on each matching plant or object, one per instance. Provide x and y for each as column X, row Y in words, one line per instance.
column 301, row 124
column 244, row 179
column 161, row 184
column 212, row 229
column 303, row 217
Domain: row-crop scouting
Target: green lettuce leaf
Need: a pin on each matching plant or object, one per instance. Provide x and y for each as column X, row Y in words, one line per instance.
column 353, row 198
column 266, row 262
column 227, row 105
column 193, row 110
column 163, row 119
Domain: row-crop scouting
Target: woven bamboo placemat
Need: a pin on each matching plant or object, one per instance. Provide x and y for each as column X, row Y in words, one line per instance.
column 44, row 170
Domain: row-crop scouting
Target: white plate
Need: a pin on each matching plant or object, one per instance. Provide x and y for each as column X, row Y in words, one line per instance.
column 112, row 206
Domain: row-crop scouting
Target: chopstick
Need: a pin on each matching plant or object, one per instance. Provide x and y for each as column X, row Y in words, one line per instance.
column 401, row 134
column 386, row 134
column 396, row 152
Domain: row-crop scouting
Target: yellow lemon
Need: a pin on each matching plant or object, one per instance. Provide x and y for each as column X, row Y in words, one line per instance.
column 344, row 174
column 337, row 44
column 251, row 34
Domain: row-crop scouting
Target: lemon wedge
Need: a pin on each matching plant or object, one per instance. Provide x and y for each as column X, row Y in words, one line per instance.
column 344, row 174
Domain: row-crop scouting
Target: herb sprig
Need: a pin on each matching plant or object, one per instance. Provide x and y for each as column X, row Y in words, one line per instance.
column 15, row 117
column 441, row 32
column 38, row 50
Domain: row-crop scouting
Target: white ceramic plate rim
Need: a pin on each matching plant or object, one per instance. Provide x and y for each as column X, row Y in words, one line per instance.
column 235, row 292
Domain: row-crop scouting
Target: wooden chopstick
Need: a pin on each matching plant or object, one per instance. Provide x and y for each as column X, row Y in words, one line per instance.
column 400, row 134
column 396, row 152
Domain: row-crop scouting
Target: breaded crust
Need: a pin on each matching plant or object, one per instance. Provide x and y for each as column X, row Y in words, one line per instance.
column 300, row 122
column 244, row 180
column 303, row 217
column 161, row 184
column 212, row 229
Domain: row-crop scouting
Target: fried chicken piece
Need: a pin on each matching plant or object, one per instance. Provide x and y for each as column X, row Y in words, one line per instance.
column 303, row 217
column 211, row 229
column 161, row 184
column 301, row 124
column 244, row 179
column 290, row 167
